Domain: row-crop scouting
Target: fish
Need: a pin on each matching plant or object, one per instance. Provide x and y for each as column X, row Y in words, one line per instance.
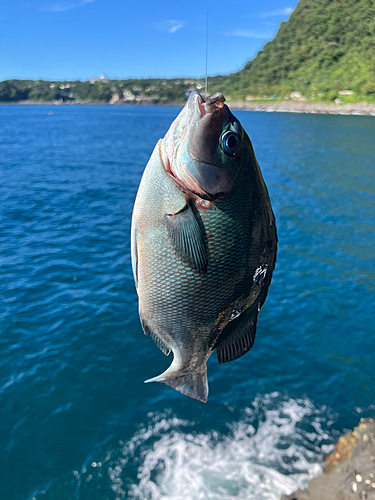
column 203, row 243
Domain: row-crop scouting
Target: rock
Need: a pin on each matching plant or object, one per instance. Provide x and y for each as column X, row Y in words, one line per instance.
column 115, row 98
column 349, row 472
column 343, row 450
column 299, row 106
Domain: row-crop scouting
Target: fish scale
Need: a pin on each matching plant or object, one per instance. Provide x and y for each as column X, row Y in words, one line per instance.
column 194, row 265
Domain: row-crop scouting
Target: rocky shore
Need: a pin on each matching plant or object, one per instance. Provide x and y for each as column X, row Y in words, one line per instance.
column 271, row 106
column 306, row 107
column 349, row 471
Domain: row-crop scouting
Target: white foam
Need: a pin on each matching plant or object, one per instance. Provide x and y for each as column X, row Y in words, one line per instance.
column 273, row 449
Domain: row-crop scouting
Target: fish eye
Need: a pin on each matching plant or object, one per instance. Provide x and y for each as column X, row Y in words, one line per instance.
column 230, row 143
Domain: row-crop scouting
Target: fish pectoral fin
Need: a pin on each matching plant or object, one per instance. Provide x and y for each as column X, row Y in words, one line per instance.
column 238, row 336
column 158, row 341
column 188, row 238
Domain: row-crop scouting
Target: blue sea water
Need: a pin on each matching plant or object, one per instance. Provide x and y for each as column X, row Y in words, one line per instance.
column 76, row 420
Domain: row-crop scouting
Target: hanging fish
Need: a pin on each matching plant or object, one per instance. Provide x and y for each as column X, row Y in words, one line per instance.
column 203, row 243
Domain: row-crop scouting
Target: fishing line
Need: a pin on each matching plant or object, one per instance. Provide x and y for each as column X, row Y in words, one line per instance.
column 206, row 86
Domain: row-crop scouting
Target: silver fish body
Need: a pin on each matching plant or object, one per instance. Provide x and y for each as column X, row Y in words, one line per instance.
column 203, row 243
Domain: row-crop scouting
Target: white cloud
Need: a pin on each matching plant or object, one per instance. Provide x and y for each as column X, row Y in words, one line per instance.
column 60, row 6
column 170, row 26
column 249, row 34
column 279, row 12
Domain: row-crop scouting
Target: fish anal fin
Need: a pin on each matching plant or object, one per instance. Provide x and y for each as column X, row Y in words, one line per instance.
column 188, row 238
column 158, row 341
column 238, row 336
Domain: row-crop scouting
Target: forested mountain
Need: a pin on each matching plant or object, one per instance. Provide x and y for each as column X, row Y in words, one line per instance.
column 326, row 46
column 324, row 51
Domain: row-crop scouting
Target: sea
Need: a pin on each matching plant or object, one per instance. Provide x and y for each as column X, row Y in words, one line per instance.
column 77, row 421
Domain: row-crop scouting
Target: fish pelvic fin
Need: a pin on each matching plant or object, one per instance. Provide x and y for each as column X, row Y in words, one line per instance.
column 238, row 336
column 190, row 382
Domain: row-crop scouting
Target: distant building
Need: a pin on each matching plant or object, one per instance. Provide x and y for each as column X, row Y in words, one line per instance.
column 152, row 88
column 296, row 95
column 102, row 78
column 128, row 96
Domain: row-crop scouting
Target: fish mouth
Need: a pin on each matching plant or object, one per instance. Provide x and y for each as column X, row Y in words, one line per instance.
column 206, row 105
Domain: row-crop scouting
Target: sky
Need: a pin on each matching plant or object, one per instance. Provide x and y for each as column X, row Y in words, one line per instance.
column 81, row 39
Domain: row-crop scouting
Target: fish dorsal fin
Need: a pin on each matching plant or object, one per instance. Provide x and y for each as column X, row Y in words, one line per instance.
column 238, row 336
column 160, row 343
column 188, row 238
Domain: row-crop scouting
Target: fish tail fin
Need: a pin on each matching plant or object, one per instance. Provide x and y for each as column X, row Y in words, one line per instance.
column 192, row 383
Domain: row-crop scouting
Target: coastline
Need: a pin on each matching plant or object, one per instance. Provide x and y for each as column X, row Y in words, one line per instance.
column 362, row 108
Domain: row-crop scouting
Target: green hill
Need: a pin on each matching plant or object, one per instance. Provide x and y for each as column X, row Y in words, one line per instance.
column 326, row 46
column 99, row 90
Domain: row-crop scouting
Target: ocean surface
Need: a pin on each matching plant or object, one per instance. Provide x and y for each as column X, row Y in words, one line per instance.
column 76, row 419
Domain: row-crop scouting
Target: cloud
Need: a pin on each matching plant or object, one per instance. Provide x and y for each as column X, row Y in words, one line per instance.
column 60, row 6
column 249, row 34
column 170, row 26
column 279, row 12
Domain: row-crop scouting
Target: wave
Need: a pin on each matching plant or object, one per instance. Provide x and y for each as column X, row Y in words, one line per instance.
column 275, row 447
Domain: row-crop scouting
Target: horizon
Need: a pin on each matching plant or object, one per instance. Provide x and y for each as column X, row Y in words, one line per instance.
column 81, row 39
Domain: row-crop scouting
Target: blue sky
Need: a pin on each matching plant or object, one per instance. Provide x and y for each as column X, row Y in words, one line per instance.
column 80, row 39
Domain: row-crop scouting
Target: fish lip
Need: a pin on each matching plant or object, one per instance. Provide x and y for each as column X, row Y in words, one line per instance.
column 205, row 105
column 215, row 98
column 196, row 103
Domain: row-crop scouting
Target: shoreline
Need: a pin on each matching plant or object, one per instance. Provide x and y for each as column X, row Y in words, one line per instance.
column 360, row 109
